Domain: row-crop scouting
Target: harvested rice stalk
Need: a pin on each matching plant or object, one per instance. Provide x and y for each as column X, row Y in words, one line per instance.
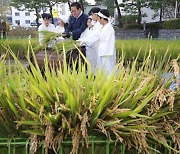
column 76, row 139
column 33, row 144
column 49, row 136
column 176, row 73
column 140, row 140
column 84, row 124
column 57, row 141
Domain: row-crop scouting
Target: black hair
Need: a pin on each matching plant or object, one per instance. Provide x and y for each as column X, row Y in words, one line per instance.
column 76, row 4
column 105, row 12
column 94, row 10
column 65, row 25
column 46, row 16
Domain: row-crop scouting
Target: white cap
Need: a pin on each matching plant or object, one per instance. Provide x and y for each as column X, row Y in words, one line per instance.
column 63, row 18
column 90, row 17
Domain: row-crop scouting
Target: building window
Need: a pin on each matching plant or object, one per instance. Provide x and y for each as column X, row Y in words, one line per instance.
column 27, row 13
column 27, row 21
column 17, row 22
column 17, row 14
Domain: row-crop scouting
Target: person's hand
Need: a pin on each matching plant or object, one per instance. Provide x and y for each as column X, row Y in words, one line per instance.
column 64, row 35
column 80, row 42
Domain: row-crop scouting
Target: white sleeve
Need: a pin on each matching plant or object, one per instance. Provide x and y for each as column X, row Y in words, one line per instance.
column 93, row 38
column 52, row 29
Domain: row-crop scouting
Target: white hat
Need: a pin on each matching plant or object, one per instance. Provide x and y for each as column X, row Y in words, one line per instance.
column 90, row 17
column 63, row 18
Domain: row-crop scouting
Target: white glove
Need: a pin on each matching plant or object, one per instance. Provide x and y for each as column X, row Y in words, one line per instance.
column 80, row 42
column 59, row 38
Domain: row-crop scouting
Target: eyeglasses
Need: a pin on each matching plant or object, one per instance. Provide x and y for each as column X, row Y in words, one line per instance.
column 74, row 11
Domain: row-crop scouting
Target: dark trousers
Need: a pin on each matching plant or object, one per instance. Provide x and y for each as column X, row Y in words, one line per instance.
column 3, row 34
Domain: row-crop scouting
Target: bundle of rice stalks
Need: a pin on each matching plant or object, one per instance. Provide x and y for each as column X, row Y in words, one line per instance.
column 49, row 36
column 53, row 38
column 133, row 106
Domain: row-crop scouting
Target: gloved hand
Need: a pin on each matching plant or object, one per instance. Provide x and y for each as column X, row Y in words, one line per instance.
column 80, row 42
column 58, row 39
column 65, row 35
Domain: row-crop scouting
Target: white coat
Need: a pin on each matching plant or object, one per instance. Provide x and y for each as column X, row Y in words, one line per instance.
column 59, row 29
column 92, row 43
column 94, row 36
column 42, row 27
column 90, row 50
column 106, row 50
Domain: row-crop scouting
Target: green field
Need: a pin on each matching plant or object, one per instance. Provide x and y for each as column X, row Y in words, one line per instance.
column 129, row 48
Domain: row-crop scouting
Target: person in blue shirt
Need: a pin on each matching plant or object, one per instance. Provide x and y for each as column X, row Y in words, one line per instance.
column 77, row 22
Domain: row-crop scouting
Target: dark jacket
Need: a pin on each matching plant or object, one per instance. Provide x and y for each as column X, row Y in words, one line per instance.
column 77, row 26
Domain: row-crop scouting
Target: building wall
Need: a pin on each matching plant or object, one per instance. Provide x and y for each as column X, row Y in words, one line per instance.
column 25, row 18
column 169, row 34
column 141, row 34
column 129, row 34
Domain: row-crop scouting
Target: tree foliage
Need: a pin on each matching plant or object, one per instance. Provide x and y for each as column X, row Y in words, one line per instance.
column 134, row 7
column 165, row 9
column 108, row 3
column 4, row 8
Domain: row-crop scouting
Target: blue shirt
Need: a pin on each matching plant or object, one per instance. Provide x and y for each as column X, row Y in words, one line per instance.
column 77, row 26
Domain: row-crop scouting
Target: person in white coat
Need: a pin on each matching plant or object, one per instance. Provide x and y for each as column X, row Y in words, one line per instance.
column 94, row 37
column 91, row 41
column 105, row 37
column 106, row 51
column 45, row 26
column 62, row 21
column 89, row 50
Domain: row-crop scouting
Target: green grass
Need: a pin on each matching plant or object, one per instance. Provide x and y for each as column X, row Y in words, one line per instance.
column 129, row 48
column 18, row 46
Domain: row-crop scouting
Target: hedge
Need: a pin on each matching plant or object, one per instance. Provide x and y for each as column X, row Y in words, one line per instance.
column 154, row 26
column 133, row 26
column 172, row 24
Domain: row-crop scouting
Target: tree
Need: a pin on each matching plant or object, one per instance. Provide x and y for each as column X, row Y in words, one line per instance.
column 158, row 7
column 165, row 9
column 108, row 3
column 4, row 8
column 50, row 3
column 4, row 2
column 111, row 5
column 119, row 13
column 134, row 7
